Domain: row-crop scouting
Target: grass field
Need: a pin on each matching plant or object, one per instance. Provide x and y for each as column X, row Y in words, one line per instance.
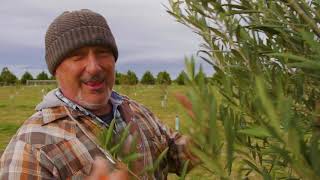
column 18, row 103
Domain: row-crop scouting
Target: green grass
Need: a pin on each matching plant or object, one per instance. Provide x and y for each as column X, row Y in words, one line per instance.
column 18, row 103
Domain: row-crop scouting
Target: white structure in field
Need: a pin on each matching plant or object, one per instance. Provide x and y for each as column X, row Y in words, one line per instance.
column 177, row 126
column 40, row 82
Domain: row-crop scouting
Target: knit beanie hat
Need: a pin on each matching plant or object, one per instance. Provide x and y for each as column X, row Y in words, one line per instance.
column 73, row 30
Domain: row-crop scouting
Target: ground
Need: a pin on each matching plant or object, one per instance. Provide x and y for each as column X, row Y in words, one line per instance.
column 17, row 103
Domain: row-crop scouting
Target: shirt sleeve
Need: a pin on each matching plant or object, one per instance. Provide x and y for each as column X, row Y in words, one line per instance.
column 23, row 161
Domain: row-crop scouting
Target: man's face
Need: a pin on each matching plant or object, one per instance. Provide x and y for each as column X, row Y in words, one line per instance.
column 87, row 76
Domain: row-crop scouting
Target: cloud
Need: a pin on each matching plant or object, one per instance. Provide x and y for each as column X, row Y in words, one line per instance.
column 144, row 32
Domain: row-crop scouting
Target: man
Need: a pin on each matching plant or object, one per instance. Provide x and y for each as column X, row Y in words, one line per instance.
column 60, row 140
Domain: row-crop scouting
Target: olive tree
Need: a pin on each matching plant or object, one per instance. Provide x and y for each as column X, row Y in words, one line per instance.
column 259, row 115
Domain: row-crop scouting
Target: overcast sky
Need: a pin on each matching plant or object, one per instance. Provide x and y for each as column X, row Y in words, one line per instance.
column 148, row 38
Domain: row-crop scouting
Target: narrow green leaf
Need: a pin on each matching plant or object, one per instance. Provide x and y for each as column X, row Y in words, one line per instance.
column 184, row 170
column 295, row 57
column 131, row 157
column 254, row 167
column 268, row 106
column 124, row 135
column 255, row 131
column 109, row 134
column 214, row 139
column 157, row 162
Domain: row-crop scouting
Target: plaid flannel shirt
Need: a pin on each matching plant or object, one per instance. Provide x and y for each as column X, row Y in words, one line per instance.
column 61, row 143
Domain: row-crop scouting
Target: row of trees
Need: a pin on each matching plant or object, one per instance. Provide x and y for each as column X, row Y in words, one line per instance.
column 162, row 77
column 8, row 78
column 147, row 78
column 130, row 78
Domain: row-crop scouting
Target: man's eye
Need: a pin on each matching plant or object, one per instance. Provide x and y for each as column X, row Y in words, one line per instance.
column 76, row 57
column 103, row 51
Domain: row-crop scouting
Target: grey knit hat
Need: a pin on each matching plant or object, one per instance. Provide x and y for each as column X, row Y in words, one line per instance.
column 73, row 30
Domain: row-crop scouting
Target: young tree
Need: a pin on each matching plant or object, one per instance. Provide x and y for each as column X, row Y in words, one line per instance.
column 148, row 78
column 163, row 78
column 261, row 108
column 52, row 78
column 118, row 78
column 132, row 78
column 124, row 79
column 26, row 76
column 7, row 77
column 180, row 79
column 42, row 76
column 201, row 75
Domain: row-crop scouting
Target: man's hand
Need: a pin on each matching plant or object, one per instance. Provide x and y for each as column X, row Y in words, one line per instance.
column 101, row 170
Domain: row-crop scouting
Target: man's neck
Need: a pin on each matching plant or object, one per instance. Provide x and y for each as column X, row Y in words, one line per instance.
column 105, row 109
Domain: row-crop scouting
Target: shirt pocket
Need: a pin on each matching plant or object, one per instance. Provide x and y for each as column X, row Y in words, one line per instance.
column 70, row 157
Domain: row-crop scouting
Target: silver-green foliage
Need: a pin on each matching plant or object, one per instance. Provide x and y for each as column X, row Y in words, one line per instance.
column 121, row 149
column 259, row 114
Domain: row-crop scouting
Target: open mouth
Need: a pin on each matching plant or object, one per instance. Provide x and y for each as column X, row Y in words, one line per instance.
column 94, row 85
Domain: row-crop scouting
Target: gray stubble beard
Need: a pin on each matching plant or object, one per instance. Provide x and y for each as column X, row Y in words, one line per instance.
column 91, row 106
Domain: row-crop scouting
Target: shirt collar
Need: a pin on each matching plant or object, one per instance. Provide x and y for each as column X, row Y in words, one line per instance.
column 51, row 114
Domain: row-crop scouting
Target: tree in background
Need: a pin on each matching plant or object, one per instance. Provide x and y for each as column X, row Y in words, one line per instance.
column 42, row 76
column 7, row 77
column 26, row 76
column 132, row 78
column 163, row 78
column 124, row 79
column 258, row 118
column 180, row 79
column 147, row 78
column 118, row 77
column 52, row 78
column 127, row 79
column 201, row 75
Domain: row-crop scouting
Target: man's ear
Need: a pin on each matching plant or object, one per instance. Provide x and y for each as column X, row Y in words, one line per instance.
column 56, row 75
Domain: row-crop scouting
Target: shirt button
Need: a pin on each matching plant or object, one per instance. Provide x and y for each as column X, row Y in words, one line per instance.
column 139, row 146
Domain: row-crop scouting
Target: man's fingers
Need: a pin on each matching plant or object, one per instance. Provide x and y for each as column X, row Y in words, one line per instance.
column 116, row 175
column 119, row 175
column 100, row 168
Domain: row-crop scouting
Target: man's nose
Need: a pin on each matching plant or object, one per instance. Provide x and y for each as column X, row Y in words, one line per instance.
column 92, row 66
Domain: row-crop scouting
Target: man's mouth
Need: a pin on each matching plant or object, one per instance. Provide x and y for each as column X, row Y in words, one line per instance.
column 94, row 85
